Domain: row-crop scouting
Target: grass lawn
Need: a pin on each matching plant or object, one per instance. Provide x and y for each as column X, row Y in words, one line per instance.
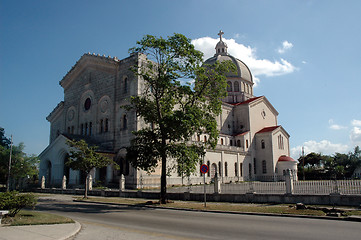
column 25, row 217
column 234, row 207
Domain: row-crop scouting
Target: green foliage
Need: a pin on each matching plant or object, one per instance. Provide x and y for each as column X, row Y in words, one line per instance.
column 14, row 201
column 4, row 141
column 338, row 166
column 22, row 165
column 84, row 158
column 181, row 98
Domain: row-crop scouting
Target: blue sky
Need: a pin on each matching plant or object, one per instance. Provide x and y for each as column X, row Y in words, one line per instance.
column 305, row 56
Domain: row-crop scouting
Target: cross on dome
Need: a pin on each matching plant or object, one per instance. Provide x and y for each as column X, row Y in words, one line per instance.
column 220, row 35
column 221, row 47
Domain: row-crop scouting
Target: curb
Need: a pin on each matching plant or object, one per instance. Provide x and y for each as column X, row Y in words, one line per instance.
column 350, row 218
column 72, row 233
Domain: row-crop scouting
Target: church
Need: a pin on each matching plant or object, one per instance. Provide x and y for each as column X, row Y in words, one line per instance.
column 252, row 146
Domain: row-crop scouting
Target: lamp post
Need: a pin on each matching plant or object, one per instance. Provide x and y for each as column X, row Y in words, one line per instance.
column 11, row 149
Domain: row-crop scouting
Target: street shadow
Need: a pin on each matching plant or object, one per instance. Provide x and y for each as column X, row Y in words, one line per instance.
column 84, row 207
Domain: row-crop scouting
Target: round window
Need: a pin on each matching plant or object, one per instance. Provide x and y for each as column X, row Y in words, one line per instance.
column 87, row 104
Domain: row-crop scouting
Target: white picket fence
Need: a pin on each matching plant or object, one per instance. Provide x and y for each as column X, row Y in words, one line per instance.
column 347, row 187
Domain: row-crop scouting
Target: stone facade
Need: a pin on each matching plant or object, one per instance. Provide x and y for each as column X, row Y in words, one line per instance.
column 249, row 147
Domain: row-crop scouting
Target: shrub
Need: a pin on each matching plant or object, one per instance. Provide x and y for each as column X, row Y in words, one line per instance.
column 14, row 201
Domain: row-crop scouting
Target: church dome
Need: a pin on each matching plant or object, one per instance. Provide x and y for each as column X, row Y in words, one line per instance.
column 222, row 55
column 242, row 69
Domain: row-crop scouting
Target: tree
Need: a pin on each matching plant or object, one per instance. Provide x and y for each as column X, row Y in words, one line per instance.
column 85, row 158
column 337, row 166
column 4, row 141
column 173, row 112
column 22, row 165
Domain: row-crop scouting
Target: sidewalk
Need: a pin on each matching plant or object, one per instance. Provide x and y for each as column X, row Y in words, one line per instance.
column 40, row 232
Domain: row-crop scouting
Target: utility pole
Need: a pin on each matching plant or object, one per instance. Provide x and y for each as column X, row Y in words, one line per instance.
column 303, row 163
column 11, row 149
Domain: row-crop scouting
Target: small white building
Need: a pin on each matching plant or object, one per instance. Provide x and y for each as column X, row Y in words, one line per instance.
column 251, row 146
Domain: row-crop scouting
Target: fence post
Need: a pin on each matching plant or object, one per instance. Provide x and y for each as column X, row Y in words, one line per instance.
column 90, row 183
column 289, row 182
column 122, row 183
column 63, row 185
column 42, row 182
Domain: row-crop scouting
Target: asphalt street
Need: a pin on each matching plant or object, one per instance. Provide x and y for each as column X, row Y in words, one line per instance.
column 101, row 221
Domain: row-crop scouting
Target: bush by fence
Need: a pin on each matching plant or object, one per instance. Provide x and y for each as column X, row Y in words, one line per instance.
column 14, row 201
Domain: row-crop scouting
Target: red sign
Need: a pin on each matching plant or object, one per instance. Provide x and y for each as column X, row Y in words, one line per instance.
column 204, row 168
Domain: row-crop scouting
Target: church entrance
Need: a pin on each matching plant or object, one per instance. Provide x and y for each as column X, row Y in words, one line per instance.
column 48, row 174
column 66, row 169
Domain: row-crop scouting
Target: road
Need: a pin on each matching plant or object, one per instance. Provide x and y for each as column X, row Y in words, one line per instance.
column 122, row 222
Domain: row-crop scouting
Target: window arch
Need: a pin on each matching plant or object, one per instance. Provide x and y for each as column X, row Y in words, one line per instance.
column 220, row 169
column 125, row 86
column 106, row 127
column 229, row 86
column 125, row 122
column 208, row 173
column 264, row 167
column 236, row 86
column 235, row 169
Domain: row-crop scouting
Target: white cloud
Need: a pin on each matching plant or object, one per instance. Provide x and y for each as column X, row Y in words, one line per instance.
column 335, row 126
column 285, row 46
column 355, row 136
column 356, row 123
column 247, row 54
column 304, row 62
column 324, row 147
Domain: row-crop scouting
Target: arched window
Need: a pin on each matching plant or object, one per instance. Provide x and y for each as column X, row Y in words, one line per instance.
column 250, row 170
column 90, row 128
column 222, row 141
column 125, row 122
column 235, row 169
column 220, row 169
column 106, row 127
column 238, row 143
column 263, row 144
column 241, row 169
column 125, row 86
column 246, row 143
column 208, row 173
column 226, row 169
column 229, row 86
column 264, row 167
column 230, row 143
column 254, row 166
column 101, row 126
column 205, row 138
column 236, row 86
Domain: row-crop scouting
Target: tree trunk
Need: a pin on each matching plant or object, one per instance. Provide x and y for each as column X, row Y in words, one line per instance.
column 163, row 181
column 163, row 178
column 86, row 186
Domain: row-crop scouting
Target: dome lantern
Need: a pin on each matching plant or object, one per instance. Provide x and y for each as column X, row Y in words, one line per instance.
column 221, row 47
